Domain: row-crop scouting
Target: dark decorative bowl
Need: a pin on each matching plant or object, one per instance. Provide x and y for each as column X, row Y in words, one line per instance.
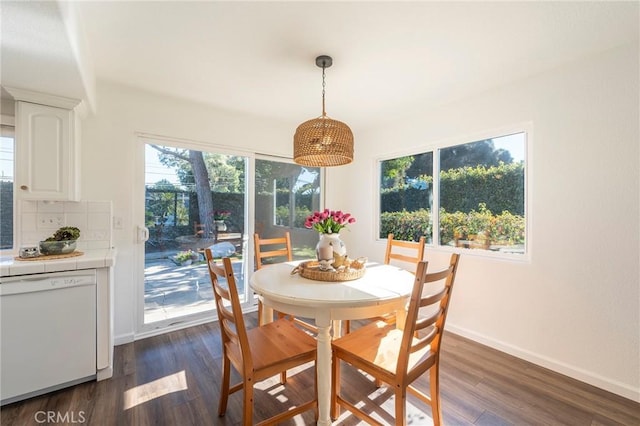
column 57, row 247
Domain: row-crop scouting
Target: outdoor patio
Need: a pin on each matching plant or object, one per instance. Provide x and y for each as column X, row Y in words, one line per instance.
column 171, row 291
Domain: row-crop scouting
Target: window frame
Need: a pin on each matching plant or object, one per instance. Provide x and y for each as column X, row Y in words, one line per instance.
column 8, row 121
column 435, row 147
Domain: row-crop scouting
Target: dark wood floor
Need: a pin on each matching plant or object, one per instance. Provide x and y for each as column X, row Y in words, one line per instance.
column 173, row 379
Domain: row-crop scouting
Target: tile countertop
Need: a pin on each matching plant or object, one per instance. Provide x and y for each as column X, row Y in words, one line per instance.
column 102, row 258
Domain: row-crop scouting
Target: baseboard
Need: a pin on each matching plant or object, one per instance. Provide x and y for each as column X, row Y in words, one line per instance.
column 123, row 339
column 588, row 377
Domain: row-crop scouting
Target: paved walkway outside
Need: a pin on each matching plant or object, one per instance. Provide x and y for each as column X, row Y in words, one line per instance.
column 171, row 291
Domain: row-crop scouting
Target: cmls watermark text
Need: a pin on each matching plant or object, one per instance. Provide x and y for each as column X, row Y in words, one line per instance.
column 59, row 417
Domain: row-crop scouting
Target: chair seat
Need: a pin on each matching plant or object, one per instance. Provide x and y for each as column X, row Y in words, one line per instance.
column 274, row 342
column 377, row 344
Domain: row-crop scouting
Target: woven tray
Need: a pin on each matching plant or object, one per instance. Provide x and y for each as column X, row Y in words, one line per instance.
column 311, row 270
column 51, row 256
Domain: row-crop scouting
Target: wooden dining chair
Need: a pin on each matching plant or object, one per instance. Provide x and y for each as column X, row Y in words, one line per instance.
column 279, row 250
column 407, row 253
column 258, row 353
column 399, row 357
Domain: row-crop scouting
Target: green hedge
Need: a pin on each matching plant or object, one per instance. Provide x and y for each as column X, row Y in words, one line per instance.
column 501, row 188
column 406, row 226
column 501, row 229
column 282, row 216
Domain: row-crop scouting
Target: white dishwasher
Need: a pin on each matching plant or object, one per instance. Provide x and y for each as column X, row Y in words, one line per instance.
column 48, row 332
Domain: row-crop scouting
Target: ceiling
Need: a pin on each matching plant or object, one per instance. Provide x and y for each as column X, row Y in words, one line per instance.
column 390, row 58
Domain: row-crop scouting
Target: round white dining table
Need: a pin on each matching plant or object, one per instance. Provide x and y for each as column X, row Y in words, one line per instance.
column 382, row 289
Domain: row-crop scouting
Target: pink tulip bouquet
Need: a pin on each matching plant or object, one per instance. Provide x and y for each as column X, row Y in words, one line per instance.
column 328, row 221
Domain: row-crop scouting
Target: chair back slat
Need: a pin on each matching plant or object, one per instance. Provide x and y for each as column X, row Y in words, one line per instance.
column 438, row 276
column 425, row 341
column 413, row 324
column 427, row 321
column 274, row 253
column 433, row 298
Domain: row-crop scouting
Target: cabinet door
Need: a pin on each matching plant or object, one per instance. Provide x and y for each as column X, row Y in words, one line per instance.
column 45, row 153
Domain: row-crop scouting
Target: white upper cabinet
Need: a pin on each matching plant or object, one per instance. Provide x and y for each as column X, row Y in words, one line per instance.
column 47, row 148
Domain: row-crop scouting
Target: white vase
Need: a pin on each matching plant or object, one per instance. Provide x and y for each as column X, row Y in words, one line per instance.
column 220, row 225
column 329, row 244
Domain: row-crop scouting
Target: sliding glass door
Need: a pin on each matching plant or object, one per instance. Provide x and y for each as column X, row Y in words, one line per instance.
column 193, row 199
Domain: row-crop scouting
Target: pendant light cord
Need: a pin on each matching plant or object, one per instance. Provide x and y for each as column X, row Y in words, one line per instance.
column 323, row 86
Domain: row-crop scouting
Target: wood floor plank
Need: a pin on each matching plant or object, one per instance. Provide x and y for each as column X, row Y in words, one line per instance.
column 174, row 379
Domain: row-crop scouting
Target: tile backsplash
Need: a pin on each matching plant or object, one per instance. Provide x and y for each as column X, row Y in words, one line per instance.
column 40, row 219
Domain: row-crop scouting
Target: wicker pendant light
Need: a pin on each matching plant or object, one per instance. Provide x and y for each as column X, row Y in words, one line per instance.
column 322, row 141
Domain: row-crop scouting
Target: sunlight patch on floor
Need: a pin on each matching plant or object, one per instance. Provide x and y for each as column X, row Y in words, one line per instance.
column 142, row 393
column 382, row 407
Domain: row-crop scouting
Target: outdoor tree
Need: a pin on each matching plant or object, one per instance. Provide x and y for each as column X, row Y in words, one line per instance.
column 481, row 153
column 180, row 159
column 203, row 189
column 394, row 171
column 266, row 171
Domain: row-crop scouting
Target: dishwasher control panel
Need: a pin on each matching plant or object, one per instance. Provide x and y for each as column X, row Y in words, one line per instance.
column 71, row 281
column 47, row 281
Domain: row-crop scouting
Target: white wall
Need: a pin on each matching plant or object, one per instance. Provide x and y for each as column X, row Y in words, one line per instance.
column 573, row 308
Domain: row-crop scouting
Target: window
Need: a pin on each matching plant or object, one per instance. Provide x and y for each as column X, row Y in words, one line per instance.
column 6, row 186
column 476, row 201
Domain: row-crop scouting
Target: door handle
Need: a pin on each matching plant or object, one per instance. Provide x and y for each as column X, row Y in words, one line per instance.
column 143, row 234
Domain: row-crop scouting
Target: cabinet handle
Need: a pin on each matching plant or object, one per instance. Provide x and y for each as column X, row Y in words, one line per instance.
column 24, row 187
